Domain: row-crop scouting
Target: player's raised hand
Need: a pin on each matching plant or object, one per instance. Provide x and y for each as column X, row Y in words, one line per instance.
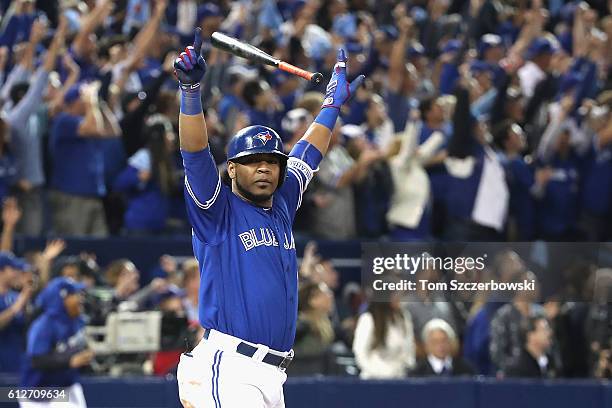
column 190, row 66
column 339, row 90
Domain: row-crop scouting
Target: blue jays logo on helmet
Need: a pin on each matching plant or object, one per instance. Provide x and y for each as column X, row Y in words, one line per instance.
column 263, row 136
column 255, row 140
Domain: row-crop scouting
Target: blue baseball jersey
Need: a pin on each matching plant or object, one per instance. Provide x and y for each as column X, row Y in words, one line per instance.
column 247, row 257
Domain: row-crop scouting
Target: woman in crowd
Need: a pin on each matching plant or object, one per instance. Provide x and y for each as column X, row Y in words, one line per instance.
column 149, row 179
column 314, row 332
column 384, row 341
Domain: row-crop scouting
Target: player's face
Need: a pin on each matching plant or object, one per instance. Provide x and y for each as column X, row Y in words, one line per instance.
column 73, row 304
column 255, row 177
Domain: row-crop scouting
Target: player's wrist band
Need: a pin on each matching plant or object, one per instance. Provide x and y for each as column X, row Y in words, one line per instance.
column 191, row 99
column 328, row 116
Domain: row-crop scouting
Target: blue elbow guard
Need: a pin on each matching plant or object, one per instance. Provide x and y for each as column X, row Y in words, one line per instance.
column 307, row 153
column 191, row 101
column 327, row 117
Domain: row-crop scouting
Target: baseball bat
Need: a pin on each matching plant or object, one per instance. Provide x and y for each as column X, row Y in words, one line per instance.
column 244, row 50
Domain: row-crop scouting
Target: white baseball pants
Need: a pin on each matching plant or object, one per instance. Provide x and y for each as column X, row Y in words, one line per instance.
column 215, row 375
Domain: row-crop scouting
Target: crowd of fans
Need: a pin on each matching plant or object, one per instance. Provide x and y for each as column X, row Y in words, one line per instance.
column 479, row 120
column 341, row 330
column 428, row 333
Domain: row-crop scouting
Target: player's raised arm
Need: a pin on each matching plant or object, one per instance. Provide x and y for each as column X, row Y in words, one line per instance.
column 190, row 68
column 338, row 92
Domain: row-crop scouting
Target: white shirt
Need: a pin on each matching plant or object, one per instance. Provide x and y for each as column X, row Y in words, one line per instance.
column 437, row 364
column 411, row 188
column 530, row 76
column 390, row 361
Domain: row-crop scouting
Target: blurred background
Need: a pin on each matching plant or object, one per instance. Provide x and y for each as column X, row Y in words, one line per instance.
column 480, row 121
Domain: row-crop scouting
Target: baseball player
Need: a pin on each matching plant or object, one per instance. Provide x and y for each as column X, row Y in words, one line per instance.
column 57, row 347
column 243, row 241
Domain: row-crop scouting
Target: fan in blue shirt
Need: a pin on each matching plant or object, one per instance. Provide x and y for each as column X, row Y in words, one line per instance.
column 12, row 320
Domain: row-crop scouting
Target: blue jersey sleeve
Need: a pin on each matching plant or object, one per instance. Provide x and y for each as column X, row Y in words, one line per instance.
column 41, row 339
column 303, row 161
column 206, row 196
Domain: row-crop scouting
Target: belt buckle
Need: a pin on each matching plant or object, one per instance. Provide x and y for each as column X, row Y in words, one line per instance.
column 286, row 361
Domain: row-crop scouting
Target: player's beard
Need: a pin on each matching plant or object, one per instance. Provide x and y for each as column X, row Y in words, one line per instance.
column 254, row 198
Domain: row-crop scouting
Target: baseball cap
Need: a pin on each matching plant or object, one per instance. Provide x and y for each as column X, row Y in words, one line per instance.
column 488, row 41
column 415, row 49
column 208, row 10
column 22, row 265
column 479, row 67
column 350, row 132
column 68, row 286
column 540, row 45
column 8, row 259
column 451, row 46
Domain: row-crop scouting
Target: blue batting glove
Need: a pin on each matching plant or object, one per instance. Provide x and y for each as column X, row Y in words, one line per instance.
column 339, row 91
column 190, row 66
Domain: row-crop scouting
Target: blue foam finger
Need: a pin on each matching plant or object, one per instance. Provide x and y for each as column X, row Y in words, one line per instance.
column 341, row 55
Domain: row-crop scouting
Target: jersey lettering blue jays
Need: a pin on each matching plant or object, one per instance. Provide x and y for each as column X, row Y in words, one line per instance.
column 247, row 257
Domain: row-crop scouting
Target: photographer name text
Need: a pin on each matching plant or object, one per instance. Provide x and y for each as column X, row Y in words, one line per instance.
column 453, row 285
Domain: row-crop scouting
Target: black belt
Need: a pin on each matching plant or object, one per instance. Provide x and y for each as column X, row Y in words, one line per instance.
column 247, row 350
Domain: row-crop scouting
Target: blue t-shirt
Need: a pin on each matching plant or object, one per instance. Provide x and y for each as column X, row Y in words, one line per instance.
column 78, row 162
column 88, row 70
column 597, row 187
column 460, row 194
column 247, row 257
column 8, row 173
column 12, row 336
column 558, row 209
column 522, row 205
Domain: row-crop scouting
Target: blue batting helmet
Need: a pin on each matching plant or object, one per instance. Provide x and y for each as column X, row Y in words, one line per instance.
column 255, row 140
column 258, row 140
